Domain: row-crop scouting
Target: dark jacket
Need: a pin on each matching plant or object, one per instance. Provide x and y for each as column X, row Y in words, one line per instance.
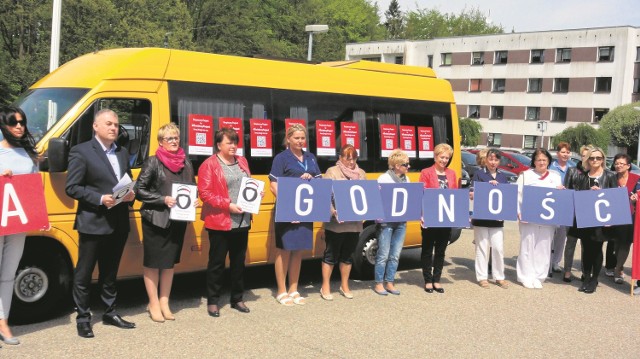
column 148, row 187
column 90, row 176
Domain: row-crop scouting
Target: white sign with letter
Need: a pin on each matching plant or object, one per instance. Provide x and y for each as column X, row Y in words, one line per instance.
column 250, row 197
column 186, row 196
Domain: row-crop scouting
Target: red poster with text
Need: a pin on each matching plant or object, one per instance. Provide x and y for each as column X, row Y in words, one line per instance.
column 290, row 121
column 236, row 124
column 425, row 142
column 23, row 205
column 350, row 135
column 388, row 139
column 408, row 140
column 200, row 134
column 261, row 145
column 325, row 138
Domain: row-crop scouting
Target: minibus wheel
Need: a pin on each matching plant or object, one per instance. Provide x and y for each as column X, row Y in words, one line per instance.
column 364, row 257
column 43, row 281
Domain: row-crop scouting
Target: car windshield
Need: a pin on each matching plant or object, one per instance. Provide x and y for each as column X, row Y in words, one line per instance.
column 44, row 107
column 521, row 158
column 468, row 158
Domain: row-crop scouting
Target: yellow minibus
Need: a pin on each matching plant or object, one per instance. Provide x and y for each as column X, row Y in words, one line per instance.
column 148, row 87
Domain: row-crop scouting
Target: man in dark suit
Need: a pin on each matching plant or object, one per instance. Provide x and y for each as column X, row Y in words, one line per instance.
column 95, row 167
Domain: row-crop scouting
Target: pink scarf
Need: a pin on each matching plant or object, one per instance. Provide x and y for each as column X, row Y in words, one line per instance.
column 173, row 161
column 352, row 174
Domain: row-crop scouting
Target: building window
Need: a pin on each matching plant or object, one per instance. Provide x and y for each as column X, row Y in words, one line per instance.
column 535, row 85
column 474, row 111
column 474, row 85
column 530, row 141
column 636, row 85
column 598, row 114
column 477, row 58
column 533, row 114
column 498, row 85
column 399, row 60
column 497, row 112
column 559, row 114
column 494, row 139
column 446, row 59
column 603, row 84
column 374, row 59
column 537, row 56
column 605, row 53
column 563, row 55
column 561, row 85
column 638, row 54
column 500, row 57
column 430, row 61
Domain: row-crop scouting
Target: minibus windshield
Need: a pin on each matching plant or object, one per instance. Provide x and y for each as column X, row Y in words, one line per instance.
column 44, row 107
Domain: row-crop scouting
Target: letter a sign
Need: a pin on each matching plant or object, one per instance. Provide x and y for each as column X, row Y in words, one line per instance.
column 23, row 207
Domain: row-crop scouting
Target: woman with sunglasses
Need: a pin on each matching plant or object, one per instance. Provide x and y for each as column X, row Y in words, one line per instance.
column 390, row 234
column 597, row 177
column 435, row 240
column 17, row 156
column 162, row 237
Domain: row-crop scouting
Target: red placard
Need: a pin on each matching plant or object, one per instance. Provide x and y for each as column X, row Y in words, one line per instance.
column 200, row 134
column 325, row 138
column 408, row 140
column 350, row 134
column 290, row 121
column 236, row 124
column 425, row 142
column 261, row 132
column 23, row 205
column 388, row 139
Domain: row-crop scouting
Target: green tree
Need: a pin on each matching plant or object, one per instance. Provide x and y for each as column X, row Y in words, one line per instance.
column 470, row 131
column 394, row 21
column 423, row 24
column 582, row 134
column 623, row 124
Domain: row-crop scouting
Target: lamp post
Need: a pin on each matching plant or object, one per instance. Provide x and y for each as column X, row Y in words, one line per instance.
column 314, row 29
column 54, row 55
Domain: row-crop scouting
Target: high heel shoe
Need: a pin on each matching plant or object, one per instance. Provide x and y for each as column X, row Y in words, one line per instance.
column 166, row 313
column 156, row 317
column 347, row 295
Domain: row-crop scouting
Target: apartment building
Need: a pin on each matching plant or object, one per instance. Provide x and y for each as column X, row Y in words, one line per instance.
column 518, row 84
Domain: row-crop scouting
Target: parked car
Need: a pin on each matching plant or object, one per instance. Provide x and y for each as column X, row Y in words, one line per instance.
column 465, row 180
column 470, row 165
column 511, row 161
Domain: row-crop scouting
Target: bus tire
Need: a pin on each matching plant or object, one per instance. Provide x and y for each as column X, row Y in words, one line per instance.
column 364, row 257
column 43, row 281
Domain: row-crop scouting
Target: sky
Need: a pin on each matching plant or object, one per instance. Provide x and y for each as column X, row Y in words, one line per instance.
column 536, row 15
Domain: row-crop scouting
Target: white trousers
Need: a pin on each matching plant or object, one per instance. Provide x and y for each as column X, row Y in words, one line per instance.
column 535, row 252
column 489, row 237
column 11, row 248
column 557, row 249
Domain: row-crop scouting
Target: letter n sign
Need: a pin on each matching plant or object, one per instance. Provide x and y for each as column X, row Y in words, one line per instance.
column 23, row 207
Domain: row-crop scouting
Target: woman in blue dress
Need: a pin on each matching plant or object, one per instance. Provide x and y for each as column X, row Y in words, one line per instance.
column 292, row 238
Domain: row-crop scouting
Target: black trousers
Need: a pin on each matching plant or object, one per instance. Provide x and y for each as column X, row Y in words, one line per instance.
column 591, row 258
column 432, row 261
column 611, row 256
column 221, row 243
column 106, row 250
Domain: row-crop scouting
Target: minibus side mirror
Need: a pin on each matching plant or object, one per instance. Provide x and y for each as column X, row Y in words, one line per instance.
column 58, row 155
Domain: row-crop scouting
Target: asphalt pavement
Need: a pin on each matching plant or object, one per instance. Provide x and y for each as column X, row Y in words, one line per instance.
column 466, row 321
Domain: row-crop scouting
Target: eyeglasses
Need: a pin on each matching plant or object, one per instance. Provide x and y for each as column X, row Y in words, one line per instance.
column 13, row 122
column 618, row 164
column 405, row 165
column 542, row 160
column 598, row 158
column 171, row 139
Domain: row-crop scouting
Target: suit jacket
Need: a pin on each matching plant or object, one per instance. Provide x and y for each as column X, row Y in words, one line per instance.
column 90, row 176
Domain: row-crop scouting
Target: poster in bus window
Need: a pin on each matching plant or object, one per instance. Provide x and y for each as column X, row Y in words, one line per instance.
column 388, row 139
column 408, row 140
column 200, row 134
column 261, row 145
column 325, row 138
column 290, row 121
column 350, row 135
column 425, row 142
column 236, row 124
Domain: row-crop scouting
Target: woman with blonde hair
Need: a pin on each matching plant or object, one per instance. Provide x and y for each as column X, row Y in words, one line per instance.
column 292, row 238
column 435, row 240
column 391, row 234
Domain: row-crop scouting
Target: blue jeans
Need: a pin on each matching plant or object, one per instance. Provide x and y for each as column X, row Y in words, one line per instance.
column 390, row 242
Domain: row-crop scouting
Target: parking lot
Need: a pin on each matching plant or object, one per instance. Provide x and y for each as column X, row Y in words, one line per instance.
column 464, row 322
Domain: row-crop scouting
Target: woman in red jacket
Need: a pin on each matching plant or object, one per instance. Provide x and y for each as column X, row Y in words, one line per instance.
column 435, row 240
column 219, row 179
